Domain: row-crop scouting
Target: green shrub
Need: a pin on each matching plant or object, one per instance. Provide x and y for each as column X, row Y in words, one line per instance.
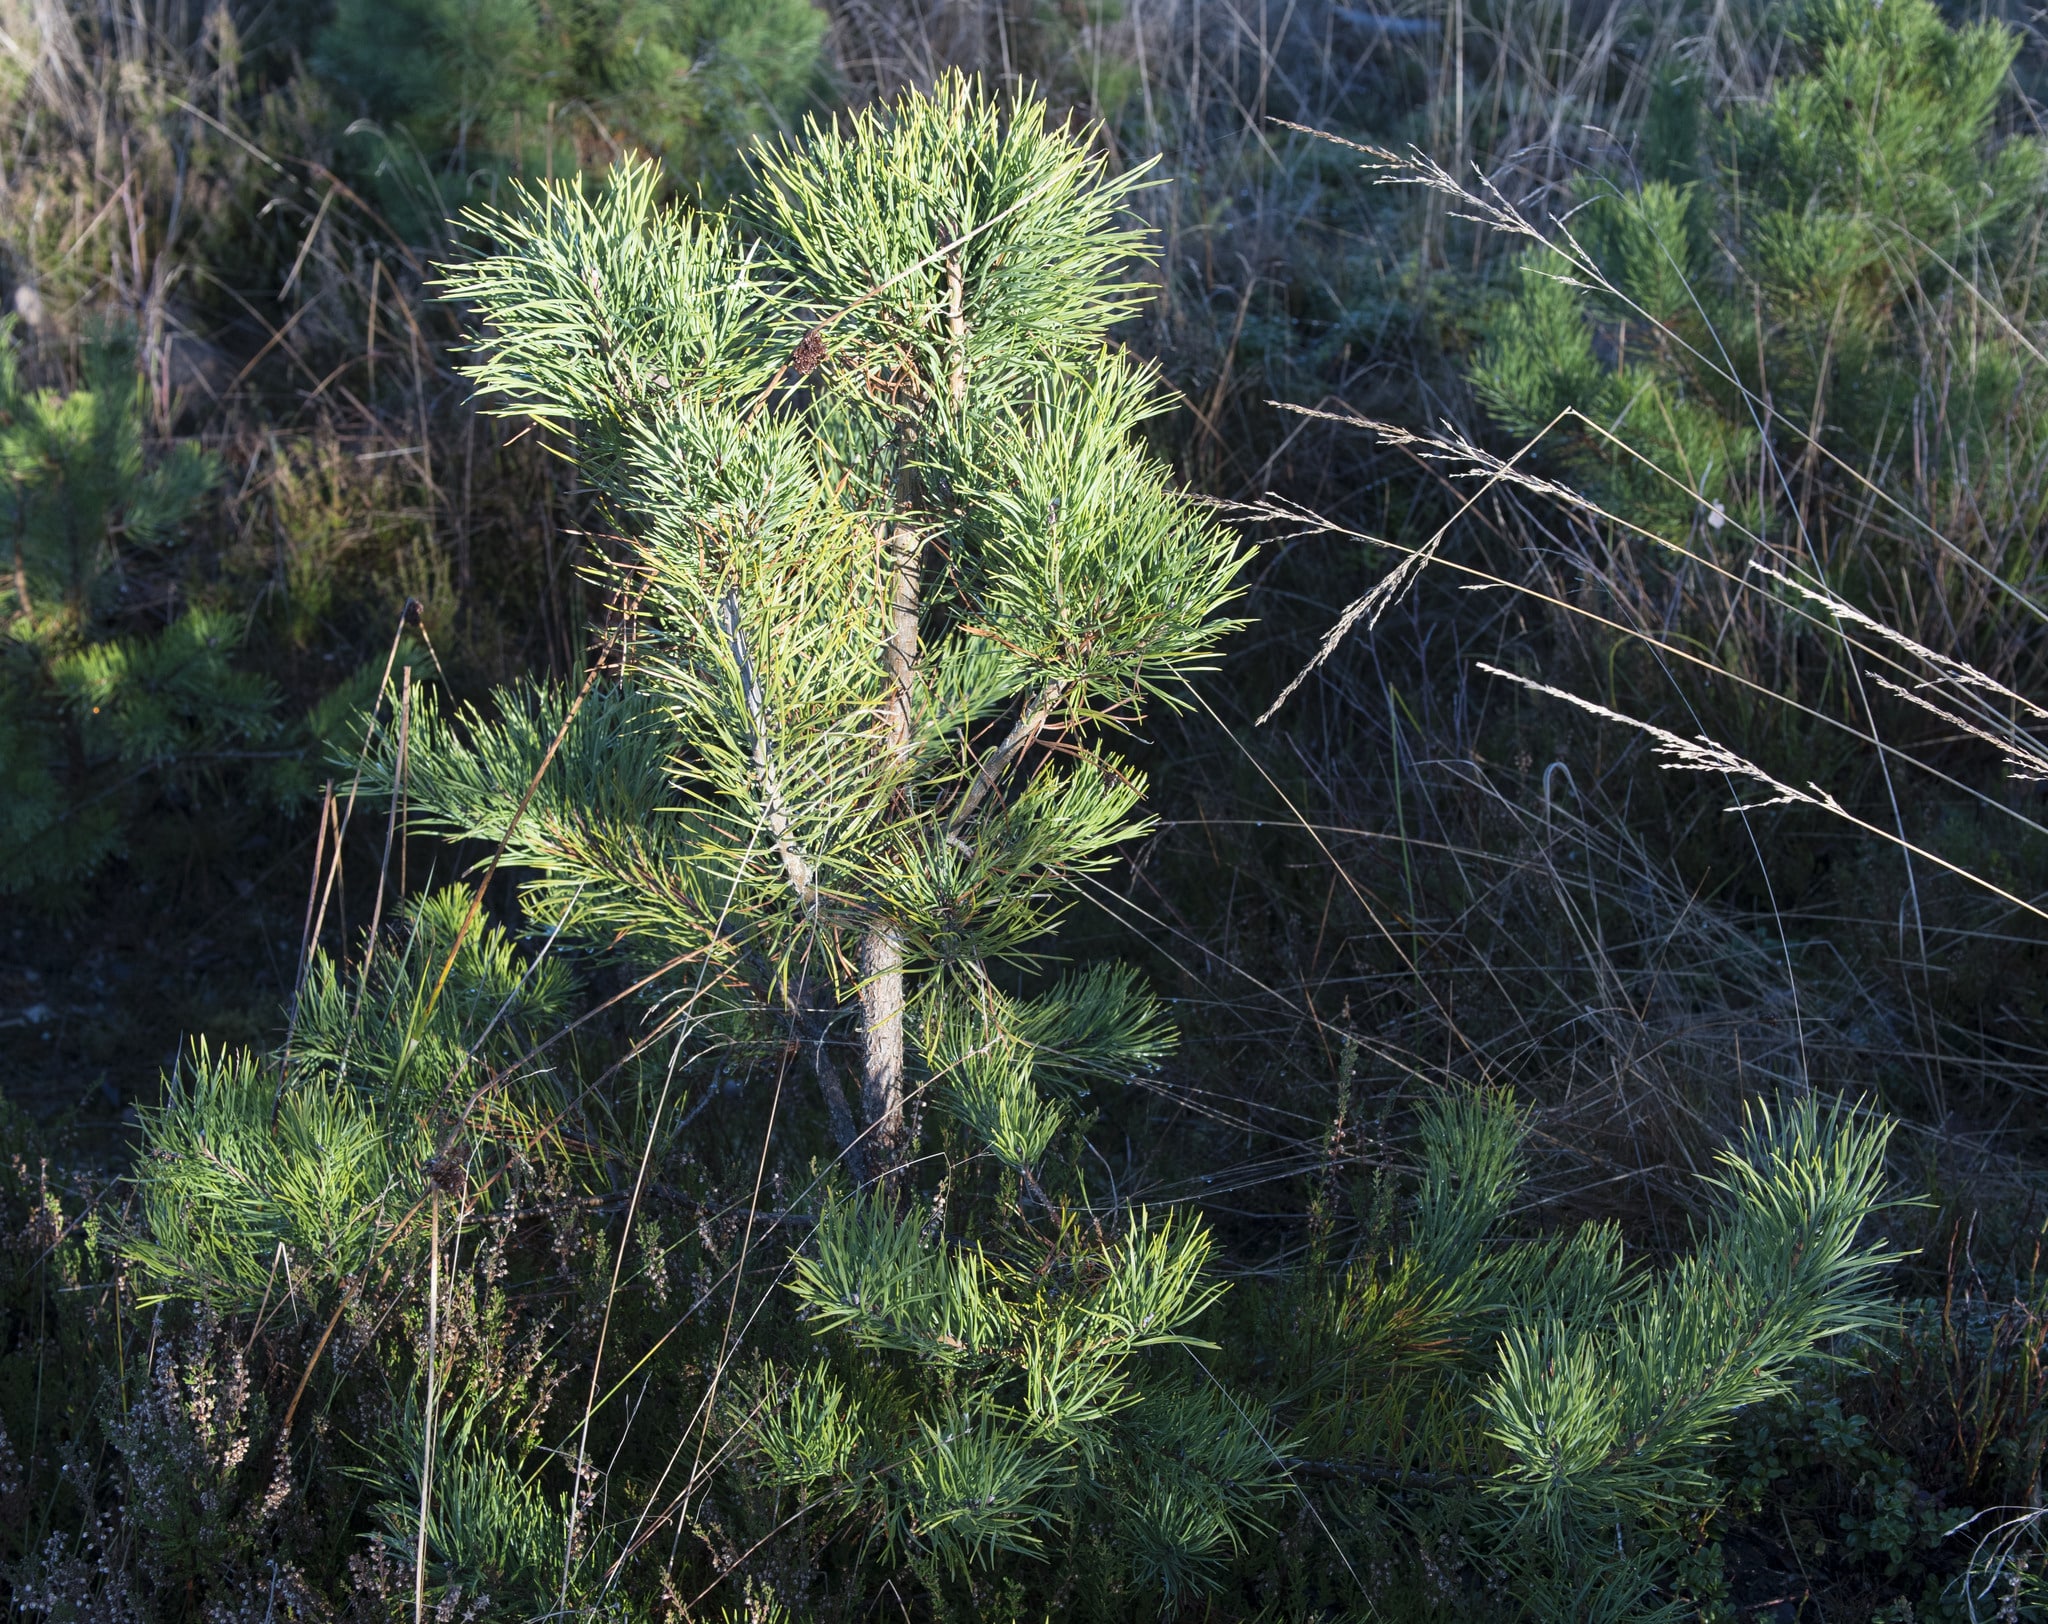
column 551, row 86
column 96, row 720
column 892, row 534
column 1791, row 287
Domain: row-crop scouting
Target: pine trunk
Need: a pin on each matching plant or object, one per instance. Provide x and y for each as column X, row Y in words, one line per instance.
column 881, row 949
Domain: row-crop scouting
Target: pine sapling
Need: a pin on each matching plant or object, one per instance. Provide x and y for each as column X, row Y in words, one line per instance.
column 893, row 569
column 93, row 708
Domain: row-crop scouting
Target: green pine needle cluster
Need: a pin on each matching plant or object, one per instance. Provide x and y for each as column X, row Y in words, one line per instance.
column 890, row 533
column 551, row 86
column 282, row 1178
column 1027, row 1411
column 120, row 690
column 1560, row 1406
column 78, row 482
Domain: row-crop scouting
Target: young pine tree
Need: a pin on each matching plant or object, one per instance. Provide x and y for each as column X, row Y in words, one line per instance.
column 1772, row 308
column 892, row 572
column 1551, row 1407
column 96, row 713
column 554, row 85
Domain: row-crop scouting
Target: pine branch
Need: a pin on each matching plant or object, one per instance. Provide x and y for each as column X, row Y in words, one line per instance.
column 775, row 811
column 813, row 1024
column 1023, row 733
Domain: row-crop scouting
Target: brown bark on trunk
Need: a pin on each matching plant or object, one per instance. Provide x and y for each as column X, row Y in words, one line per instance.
column 883, row 1048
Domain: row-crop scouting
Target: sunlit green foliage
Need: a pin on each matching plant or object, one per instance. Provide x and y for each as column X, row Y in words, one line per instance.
column 1030, row 1421
column 1565, row 1406
column 513, row 1272
column 1792, row 268
column 284, row 1177
column 892, row 532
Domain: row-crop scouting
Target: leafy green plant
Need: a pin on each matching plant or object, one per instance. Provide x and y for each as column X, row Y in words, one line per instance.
column 1848, row 1466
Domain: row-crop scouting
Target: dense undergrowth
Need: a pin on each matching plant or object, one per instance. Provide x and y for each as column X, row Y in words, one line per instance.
column 712, row 920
